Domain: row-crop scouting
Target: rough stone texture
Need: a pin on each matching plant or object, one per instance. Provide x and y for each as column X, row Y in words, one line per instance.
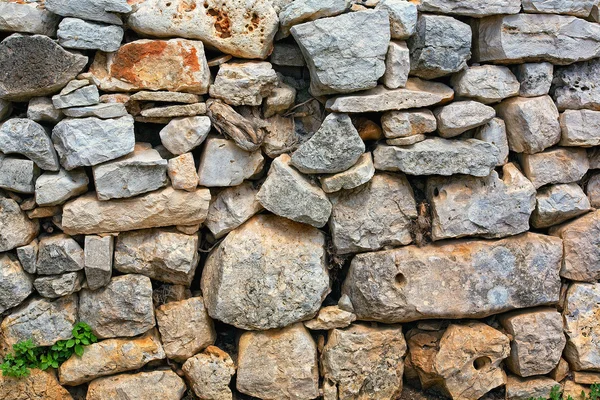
column 183, row 341
column 399, row 124
column 43, row 321
column 281, row 136
column 559, row 203
column 244, row 83
column 76, row 33
column 373, row 216
column 16, row 229
column 90, row 141
column 593, row 190
column 460, row 116
column 514, row 39
column 494, row 132
column 103, row 11
column 55, row 286
column 15, row 283
column 440, row 46
column 397, row 63
column 580, row 314
column 557, row 165
column 28, row 138
column 18, row 175
column 345, row 53
column 289, row 194
column 22, row 78
column 166, row 97
column 438, row 156
column 335, row 147
column 330, row 317
column 575, row 390
column 83, row 96
column 287, row 54
column 309, row 10
column 531, row 123
column 525, row 389
column 121, row 309
column 5, row 109
column 580, row 128
column 209, row 374
column 27, row 18
column 586, row 378
column 279, row 100
column 57, row 254
column 574, row 86
column 403, row 17
column 537, row 340
column 486, row 83
column 225, row 25
column 54, row 188
column 162, row 255
column 182, row 135
column 268, row 273
column 164, row 385
column 87, row 214
column 39, row 385
column 103, row 111
column 182, row 172
column 28, row 256
column 479, row 278
column 578, row 8
column 535, row 78
column 357, row 175
column 41, row 109
column 98, row 260
column 163, row 114
column 246, row 131
column 278, row 364
column 470, row 8
column 232, row 207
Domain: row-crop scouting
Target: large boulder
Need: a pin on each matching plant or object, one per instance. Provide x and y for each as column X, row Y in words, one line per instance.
column 15, row 228
column 164, row 385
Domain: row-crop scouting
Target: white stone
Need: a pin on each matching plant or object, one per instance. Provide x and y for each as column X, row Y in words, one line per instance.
column 27, row 17
column 182, row 135
column 580, row 128
column 558, row 203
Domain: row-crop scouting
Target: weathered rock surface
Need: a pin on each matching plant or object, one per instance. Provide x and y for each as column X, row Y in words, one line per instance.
column 26, row 137
column 397, row 63
column 396, row 124
column 232, row 207
column 244, row 83
column 557, row 165
column 309, row 10
column 580, row 128
column 281, row 136
column 83, row 96
column 27, row 18
column 166, row 97
column 246, row 133
column 103, row 11
column 279, row 100
column 278, row 364
column 558, row 203
column 574, row 86
column 269, row 273
column 15, row 283
column 470, row 8
column 593, row 190
column 41, row 109
column 581, row 308
column 98, row 260
column 525, row 389
column 55, row 286
column 287, row 54
column 480, row 278
column 494, row 132
column 57, row 254
column 330, row 317
column 578, row 8
column 535, row 78
column 163, row 114
column 54, row 188
column 486, row 83
column 403, row 17
column 185, row 134
column 359, row 174
column 18, row 175
column 460, row 116
column 28, row 256
column 210, row 373
column 182, row 172
column 164, row 385
column 39, row 385
column 76, row 33
column 16, row 229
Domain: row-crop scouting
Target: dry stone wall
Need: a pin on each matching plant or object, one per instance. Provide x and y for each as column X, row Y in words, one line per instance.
column 301, row 199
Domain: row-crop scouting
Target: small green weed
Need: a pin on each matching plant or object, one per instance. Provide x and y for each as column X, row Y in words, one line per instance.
column 555, row 394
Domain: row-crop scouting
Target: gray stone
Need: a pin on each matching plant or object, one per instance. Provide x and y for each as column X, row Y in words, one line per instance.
column 182, row 172
column 18, row 175
column 373, row 216
column 84, row 96
column 28, row 256
column 470, row 8
column 335, row 147
column 103, row 11
column 479, row 278
column 437, row 156
column 559, row 203
column 90, row 141
column 56, row 286
column 15, row 284
column 164, row 385
column 43, row 321
column 27, row 18
column 535, row 78
column 5, row 109
column 339, row 56
column 182, row 135
column 489, row 207
column 357, row 175
column 531, row 123
column 232, row 207
column 461, row 116
column 22, row 77
column 494, row 132
column 289, row 194
column 287, row 55
column 397, row 64
column 98, row 260
column 54, row 188
column 513, row 39
column 301, row 11
column 103, row 111
column 578, row 8
column 557, row 165
column 575, row 86
column 580, row 128
column 139, row 172
column 57, row 254
column 403, row 17
column 592, row 190
column 75, row 33
column 268, row 273
column 163, row 255
column 486, row 83
column 527, row 388
column 440, row 46
column 417, row 93
column 41, row 109
column 582, row 305
column 23, row 136
column 280, row 100
column 209, row 374
column 331, row 317
column 400, row 124
column 15, row 228
column 123, row 308
column 244, row 83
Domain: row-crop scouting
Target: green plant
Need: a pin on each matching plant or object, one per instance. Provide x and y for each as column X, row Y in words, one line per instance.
column 555, row 394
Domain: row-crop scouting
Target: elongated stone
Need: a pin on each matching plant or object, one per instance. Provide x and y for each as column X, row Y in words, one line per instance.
column 98, row 260
column 557, row 165
column 403, row 17
column 309, row 10
column 397, row 63
column 330, row 317
column 15, row 283
column 76, row 33
column 359, row 174
column 38, row 385
column 494, row 132
column 558, row 203
column 23, row 136
column 83, row 96
column 578, row 8
column 54, row 188
column 28, row 256
column 582, row 305
column 55, row 286
column 15, row 228
column 470, row 8
column 460, row 116
column 103, row 11
column 104, row 111
column 527, row 388
column 165, row 385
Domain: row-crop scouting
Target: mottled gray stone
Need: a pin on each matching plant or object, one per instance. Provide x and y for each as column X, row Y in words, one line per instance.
column 18, row 175
column 287, row 55
column 182, row 135
column 494, row 132
column 535, row 78
column 301, row 11
column 244, row 83
column 84, row 96
column 397, row 64
column 339, row 56
column 557, row 165
column 580, row 128
column 558, row 203
column 486, row 83
column 470, row 8
column 582, row 305
column 5, row 109
column 232, row 207
column 578, row 8
column 15, row 228
column 54, row 188
column 399, row 124
column 23, row 136
column 28, row 256
column 103, row 111
column 57, row 254
column 359, row 174
column 164, row 385
column 103, row 11
column 56, row 286
column 460, row 116
column 27, row 18
column 575, row 86
column 98, row 260
column 75, row 33
column 403, row 17
column 41, row 109
column 15, row 283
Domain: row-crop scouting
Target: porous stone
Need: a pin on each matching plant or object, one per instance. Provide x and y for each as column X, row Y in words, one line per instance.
column 54, row 188
column 209, row 374
column 339, row 57
column 15, row 283
column 359, row 174
column 525, row 389
column 331, row 317
column 335, row 147
column 486, row 83
column 28, row 256
column 15, row 228
column 244, row 83
column 58, row 254
column 580, row 128
column 268, row 273
column 582, row 305
column 103, row 11
column 289, row 194
column 38, row 385
column 535, row 78
column 182, row 341
column 460, row 116
column 26, row 137
column 494, row 132
column 76, row 33
column 397, row 63
column 593, row 190
column 558, row 203
column 308, row 10
column 399, row 124
column 182, row 172
column 279, row 100
column 489, row 207
column 480, row 278
column 437, row 156
column 20, row 59
column 574, row 86
column 470, row 8
column 578, row 8
column 90, row 141
column 55, row 286
column 232, row 207
column 18, row 175
column 278, row 364
column 164, row 385
column 41, row 109
column 440, row 46
column 27, row 18
column 98, row 260
column 557, row 165
column 531, row 123
column 403, row 17
column 123, row 308
column 182, row 135
column 163, row 255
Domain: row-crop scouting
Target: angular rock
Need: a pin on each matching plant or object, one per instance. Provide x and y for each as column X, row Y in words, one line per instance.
column 268, row 273
column 470, row 8
column 159, row 114
column 460, row 116
column 18, row 175
column 28, row 138
column 561, row 371
column 54, row 188
column 55, row 286
column 580, row 314
column 485, row 83
column 98, row 260
column 57, row 254
column 87, row 214
column 331, row 317
column 403, row 17
column 575, row 390
column 15, row 228
column 210, row 373
column 280, row 99
column 39, row 385
column 5, row 109
column 557, row 165
column 535, row 78
column 84, row 96
column 397, row 124
column 489, row 207
column 123, row 308
column 28, row 256
column 559, row 203
column 27, row 18
column 244, row 83
column 90, row 141
column 437, row 156
column 103, row 11
column 163, row 255
column 525, row 389
column 281, row 136
column 182, row 172
column 182, row 135
column 578, row 8
column 586, row 378
column 164, row 385
column 287, row 54
column 183, row 341
column 289, row 194
column 104, row 111
column 15, row 283
column 309, row 10
column 41, row 109
column 20, row 59
column 480, row 278
column 231, row 208
column 278, row 364
column 166, row 97
column 359, row 174
column 76, row 33
column 440, row 46
column 397, row 63
column 580, row 128
column 338, row 54
column 574, row 86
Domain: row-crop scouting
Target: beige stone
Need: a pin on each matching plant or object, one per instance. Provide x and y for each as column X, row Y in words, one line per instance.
column 556, row 165
column 582, row 327
column 359, row 174
column 396, row 124
column 575, row 390
column 39, row 385
column 244, row 83
column 561, row 371
column 330, row 317
column 182, row 172
column 163, row 385
column 559, row 203
column 586, row 378
column 529, row 388
column 209, row 374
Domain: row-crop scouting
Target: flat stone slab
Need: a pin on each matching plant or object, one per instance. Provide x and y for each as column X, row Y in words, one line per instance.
column 165, row 385
column 470, row 8
column 103, row 11
column 76, row 33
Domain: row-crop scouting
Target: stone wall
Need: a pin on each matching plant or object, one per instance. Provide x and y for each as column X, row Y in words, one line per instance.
column 279, row 199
